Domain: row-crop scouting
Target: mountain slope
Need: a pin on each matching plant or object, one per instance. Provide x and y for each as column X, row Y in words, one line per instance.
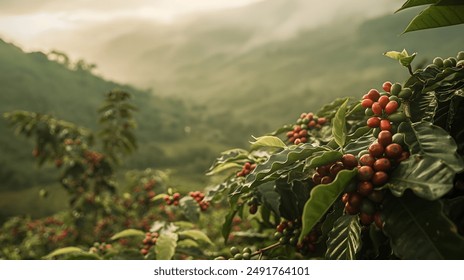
column 209, row 62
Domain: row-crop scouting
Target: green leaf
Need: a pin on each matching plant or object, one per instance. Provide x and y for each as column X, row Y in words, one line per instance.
column 63, row 251
column 227, row 226
column 324, row 158
column 437, row 16
column 128, row 233
column 190, row 208
column 280, row 160
column 223, row 167
column 403, row 57
column 339, row 125
column 415, row 3
column 322, row 198
column 270, row 197
column 165, row 247
column 267, row 142
column 423, row 138
column 330, row 109
column 196, row 235
column 360, row 144
column 418, row 229
column 187, row 243
column 345, row 239
column 427, row 177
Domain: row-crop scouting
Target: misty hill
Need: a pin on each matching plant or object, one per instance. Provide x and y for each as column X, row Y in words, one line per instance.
column 260, row 72
column 31, row 81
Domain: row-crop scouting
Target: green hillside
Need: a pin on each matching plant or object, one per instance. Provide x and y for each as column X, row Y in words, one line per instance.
column 30, row 81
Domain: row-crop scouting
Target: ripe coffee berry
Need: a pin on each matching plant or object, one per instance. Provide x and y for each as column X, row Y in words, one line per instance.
column 376, row 149
column 382, row 164
column 366, row 219
column 365, row 188
column 383, row 101
column 373, row 94
column 385, row 138
column 367, row 160
column 355, row 200
column 335, row 168
column 393, row 151
column 391, row 107
column 317, row 178
column 373, row 122
column 324, row 170
column 387, row 86
column 365, row 173
column 385, row 125
column 376, row 108
column 379, row 178
column 367, row 103
column 350, row 210
column 349, row 161
column 326, row 180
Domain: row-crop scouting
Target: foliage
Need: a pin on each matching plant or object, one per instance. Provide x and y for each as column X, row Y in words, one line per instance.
column 380, row 177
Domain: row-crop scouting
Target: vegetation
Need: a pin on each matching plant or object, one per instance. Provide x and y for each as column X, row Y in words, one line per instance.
column 376, row 177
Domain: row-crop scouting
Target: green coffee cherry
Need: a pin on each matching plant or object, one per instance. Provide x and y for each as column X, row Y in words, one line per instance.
column 395, row 89
column 460, row 55
column 438, row 61
column 397, row 117
column 405, row 93
column 234, row 251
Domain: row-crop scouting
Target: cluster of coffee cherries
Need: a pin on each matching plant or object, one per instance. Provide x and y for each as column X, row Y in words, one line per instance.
column 172, row 199
column 288, row 232
column 449, row 62
column 383, row 109
column 382, row 156
column 306, row 122
column 199, row 198
column 325, row 174
column 149, row 241
column 308, row 244
column 244, row 254
column 100, row 248
column 246, row 169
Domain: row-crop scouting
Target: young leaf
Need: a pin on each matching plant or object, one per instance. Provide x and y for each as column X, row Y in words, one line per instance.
column 403, row 57
column 165, row 247
column 322, row 198
column 339, row 125
column 345, row 239
column 418, row 229
column 128, row 233
column 267, row 142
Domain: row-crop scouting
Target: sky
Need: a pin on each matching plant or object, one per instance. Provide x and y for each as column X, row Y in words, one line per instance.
column 23, row 20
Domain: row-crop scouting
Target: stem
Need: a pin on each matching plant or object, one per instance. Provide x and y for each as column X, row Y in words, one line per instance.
column 414, row 75
column 261, row 251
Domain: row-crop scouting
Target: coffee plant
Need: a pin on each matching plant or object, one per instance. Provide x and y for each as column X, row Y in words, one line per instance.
column 377, row 176
column 380, row 178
